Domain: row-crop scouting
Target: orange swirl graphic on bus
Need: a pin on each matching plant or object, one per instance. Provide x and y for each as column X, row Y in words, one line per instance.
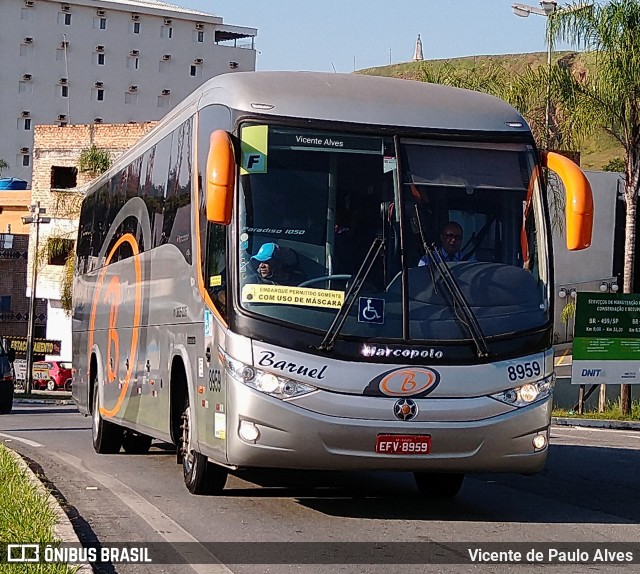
column 409, row 382
column 113, row 296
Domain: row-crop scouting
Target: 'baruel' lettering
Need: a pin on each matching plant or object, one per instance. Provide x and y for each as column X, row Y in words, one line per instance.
column 268, row 360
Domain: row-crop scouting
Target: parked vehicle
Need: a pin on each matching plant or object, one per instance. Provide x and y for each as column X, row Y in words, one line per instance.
column 6, row 379
column 52, row 375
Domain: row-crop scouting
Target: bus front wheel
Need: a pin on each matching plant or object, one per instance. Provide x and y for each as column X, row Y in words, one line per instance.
column 200, row 475
column 106, row 436
column 438, row 485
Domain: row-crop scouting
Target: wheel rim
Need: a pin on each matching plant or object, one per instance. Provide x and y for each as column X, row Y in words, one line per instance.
column 187, row 453
column 95, row 415
column 51, row 385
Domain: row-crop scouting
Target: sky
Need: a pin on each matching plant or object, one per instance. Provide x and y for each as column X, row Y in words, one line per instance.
column 348, row 35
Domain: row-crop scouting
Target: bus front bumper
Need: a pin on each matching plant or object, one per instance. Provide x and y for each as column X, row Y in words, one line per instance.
column 297, row 438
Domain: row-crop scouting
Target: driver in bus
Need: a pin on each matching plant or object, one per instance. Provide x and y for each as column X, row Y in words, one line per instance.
column 275, row 265
column 451, row 243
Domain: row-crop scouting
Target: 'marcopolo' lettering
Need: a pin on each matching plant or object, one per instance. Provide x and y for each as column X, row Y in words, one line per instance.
column 267, row 360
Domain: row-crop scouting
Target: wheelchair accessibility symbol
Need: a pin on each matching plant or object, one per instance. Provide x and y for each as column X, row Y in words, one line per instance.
column 370, row 310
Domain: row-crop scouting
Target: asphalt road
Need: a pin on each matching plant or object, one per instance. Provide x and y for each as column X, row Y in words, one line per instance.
column 588, row 494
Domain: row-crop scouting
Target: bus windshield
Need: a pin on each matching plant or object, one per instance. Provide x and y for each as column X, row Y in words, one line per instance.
column 312, row 203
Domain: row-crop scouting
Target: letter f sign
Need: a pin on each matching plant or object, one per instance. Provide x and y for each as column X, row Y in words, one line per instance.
column 255, row 163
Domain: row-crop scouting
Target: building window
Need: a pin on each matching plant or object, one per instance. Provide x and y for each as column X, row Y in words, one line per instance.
column 136, row 27
column 64, row 91
column 195, row 70
column 64, row 18
column 132, row 62
column 25, row 161
column 26, row 13
column 130, row 98
column 5, row 303
column 103, row 24
column 100, row 59
column 27, row 123
column 166, row 32
column 26, row 50
column 60, row 54
column 25, row 87
column 59, row 249
column 6, row 240
column 199, row 36
column 63, row 177
column 165, row 66
column 100, row 94
column 163, row 101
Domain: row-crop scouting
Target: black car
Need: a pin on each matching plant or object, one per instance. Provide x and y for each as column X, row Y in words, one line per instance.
column 6, row 379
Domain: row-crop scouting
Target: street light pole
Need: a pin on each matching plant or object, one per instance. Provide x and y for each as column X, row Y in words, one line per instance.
column 548, row 8
column 37, row 219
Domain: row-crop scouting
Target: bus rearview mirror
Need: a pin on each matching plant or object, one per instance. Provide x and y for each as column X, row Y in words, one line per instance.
column 221, row 171
column 579, row 199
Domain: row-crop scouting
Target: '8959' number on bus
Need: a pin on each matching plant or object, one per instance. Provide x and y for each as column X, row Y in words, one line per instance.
column 524, row 370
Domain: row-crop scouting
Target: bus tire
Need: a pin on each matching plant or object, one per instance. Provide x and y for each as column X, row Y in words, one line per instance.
column 200, row 475
column 135, row 443
column 438, row 485
column 106, row 436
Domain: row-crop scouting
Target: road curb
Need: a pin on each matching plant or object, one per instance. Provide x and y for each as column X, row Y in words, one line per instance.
column 596, row 423
column 19, row 400
column 63, row 529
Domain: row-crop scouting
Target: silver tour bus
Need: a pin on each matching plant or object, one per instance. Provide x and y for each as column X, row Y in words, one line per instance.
column 324, row 271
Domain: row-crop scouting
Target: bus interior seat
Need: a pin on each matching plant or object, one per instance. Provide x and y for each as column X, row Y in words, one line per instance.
column 310, row 258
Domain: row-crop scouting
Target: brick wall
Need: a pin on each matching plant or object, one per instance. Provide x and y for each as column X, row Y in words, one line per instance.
column 61, row 147
column 13, row 283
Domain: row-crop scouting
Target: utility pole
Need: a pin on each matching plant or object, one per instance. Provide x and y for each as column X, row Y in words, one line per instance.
column 36, row 218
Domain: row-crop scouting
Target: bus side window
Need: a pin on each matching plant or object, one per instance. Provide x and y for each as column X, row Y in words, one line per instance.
column 216, row 267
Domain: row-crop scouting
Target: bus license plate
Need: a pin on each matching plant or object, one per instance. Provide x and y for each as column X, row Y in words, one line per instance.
column 403, row 444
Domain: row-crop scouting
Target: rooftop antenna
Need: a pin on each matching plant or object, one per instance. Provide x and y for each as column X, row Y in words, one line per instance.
column 417, row 55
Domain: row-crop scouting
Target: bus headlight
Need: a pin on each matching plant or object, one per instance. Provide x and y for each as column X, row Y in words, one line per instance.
column 527, row 393
column 267, row 383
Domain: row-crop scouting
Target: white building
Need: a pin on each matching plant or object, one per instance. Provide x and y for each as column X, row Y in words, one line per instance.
column 104, row 61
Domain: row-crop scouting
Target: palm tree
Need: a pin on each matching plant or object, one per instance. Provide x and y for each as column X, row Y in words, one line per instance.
column 3, row 165
column 608, row 98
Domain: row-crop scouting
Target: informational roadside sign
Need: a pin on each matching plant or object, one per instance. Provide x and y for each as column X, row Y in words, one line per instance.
column 606, row 344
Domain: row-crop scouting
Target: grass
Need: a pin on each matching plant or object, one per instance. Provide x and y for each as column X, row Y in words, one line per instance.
column 611, row 412
column 25, row 517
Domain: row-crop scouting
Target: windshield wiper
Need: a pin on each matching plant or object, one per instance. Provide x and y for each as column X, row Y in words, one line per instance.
column 356, row 286
column 469, row 320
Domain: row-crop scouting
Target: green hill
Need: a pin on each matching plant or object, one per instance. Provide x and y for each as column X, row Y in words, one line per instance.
column 595, row 152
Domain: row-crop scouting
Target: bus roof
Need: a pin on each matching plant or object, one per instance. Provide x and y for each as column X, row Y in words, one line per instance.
column 357, row 98
column 349, row 98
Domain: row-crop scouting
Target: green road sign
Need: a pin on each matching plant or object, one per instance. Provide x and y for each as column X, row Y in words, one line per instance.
column 606, row 346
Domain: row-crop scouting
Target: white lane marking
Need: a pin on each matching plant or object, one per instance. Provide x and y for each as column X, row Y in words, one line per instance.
column 164, row 526
column 556, row 429
column 20, row 439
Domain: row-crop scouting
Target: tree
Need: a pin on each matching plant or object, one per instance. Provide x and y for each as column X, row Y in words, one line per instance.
column 94, row 160
column 527, row 93
column 3, row 165
column 608, row 98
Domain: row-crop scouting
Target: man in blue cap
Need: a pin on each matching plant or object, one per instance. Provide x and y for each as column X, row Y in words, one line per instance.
column 275, row 265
